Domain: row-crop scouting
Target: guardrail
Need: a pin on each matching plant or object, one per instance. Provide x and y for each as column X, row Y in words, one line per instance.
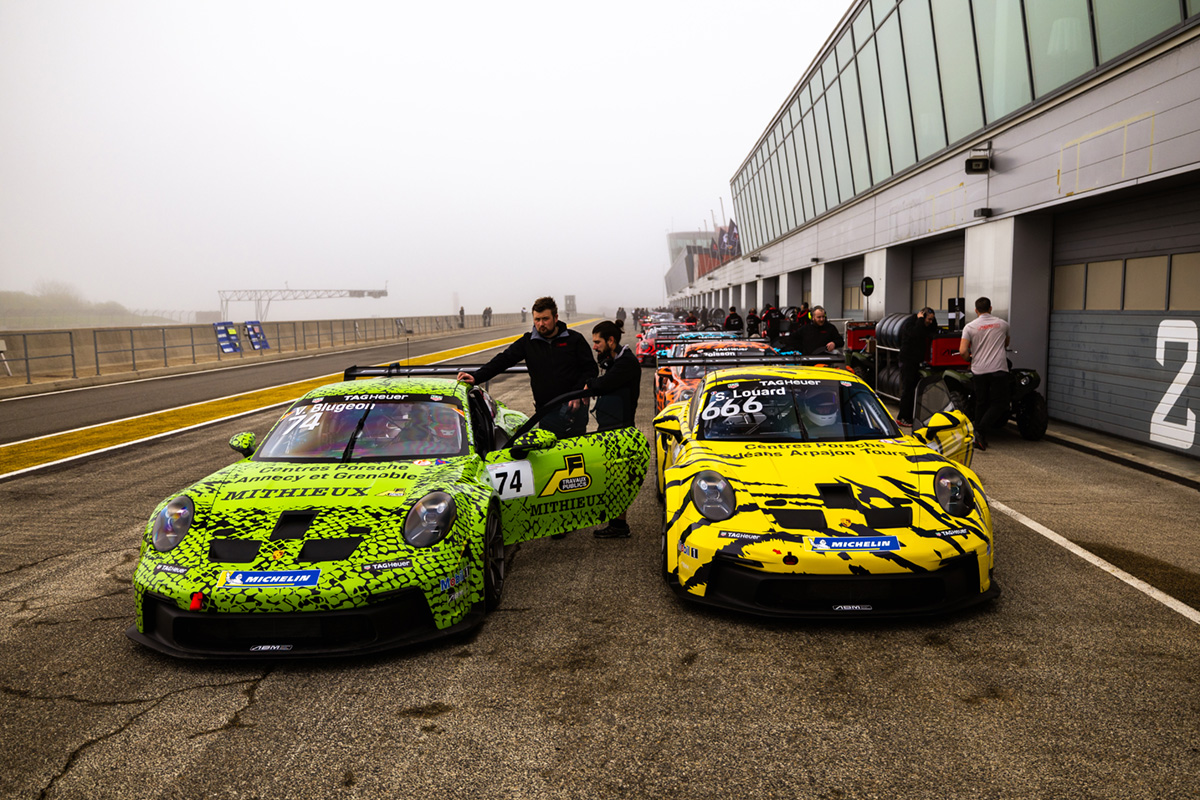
column 59, row 354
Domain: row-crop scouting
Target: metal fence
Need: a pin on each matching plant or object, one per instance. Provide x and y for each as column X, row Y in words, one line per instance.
column 59, row 355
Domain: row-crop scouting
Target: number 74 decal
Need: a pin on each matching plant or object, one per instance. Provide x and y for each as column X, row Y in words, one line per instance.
column 511, row 480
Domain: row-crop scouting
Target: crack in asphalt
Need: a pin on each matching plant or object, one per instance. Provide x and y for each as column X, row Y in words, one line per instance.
column 236, row 720
column 78, row 752
column 20, row 567
column 24, row 604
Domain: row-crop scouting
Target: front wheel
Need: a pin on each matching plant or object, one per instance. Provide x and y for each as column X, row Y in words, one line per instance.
column 494, row 566
column 1032, row 417
column 667, row 575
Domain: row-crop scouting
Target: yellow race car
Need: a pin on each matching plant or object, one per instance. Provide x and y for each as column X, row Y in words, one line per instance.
column 791, row 492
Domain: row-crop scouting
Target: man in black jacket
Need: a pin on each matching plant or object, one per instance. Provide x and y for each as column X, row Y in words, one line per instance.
column 733, row 321
column 818, row 337
column 559, row 361
column 915, row 335
column 617, row 391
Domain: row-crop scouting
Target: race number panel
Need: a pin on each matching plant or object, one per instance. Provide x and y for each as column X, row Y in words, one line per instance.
column 512, row 479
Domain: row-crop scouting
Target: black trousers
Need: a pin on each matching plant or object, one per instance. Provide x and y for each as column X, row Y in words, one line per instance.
column 910, row 374
column 992, row 397
column 564, row 423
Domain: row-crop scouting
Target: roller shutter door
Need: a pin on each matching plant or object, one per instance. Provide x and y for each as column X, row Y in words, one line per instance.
column 937, row 270
column 852, row 300
column 1124, row 318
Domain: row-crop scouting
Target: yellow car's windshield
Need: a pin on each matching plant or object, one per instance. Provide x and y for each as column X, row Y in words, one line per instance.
column 792, row 409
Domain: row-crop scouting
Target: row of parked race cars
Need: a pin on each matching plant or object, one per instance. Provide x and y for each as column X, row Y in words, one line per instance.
column 378, row 510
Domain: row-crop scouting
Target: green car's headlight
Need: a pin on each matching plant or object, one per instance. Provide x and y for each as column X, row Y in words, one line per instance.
column 953, row 492
column 713, row 496
column 430, row 519
column 172, row 523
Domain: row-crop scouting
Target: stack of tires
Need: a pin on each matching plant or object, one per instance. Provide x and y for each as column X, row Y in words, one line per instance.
column 887, row 334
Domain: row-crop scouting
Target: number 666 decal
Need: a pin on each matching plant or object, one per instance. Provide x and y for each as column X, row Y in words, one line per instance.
column 511, row 480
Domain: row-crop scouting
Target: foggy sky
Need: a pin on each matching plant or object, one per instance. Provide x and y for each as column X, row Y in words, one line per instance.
column 154, row 152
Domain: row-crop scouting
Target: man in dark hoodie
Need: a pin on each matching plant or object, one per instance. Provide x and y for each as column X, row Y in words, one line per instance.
column 559, row 361
column 617, row 392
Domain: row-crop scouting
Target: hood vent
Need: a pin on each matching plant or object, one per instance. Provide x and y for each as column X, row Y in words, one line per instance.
column 232, row 551
column 798, row 518
column 837, row 495
column 888, row 517
column 293, row 525
column 329, row 549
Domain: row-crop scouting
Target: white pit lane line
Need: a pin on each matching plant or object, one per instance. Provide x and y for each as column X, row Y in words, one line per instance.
column 1143, row 587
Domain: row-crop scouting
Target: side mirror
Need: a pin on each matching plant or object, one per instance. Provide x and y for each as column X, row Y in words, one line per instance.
column 663, row 372
column 668, row 425
column 640, row 335
column 244, row 443
column 533, row 439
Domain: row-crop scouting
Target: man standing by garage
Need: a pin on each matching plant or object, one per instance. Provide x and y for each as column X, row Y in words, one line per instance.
column 559, row 361
column 617, row 390
column 915, row 335
column 984, row 340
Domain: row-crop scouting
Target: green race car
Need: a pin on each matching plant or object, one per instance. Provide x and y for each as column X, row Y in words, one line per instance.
column 376, row 513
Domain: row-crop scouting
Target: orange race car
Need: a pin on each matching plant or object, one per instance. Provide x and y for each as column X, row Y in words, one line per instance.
column 675, row 383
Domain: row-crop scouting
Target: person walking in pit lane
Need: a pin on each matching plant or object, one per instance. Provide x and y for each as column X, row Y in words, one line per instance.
column 617, row 390
column 559, row 361
column 984, row 340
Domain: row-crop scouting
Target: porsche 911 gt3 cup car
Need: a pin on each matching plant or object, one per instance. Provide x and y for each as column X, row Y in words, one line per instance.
column 375, row 513
column 790, row 491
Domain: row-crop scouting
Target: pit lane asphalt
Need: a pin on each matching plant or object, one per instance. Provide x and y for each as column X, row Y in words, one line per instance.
column 593, row 680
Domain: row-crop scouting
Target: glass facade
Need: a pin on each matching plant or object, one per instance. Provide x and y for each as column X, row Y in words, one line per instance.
column 904, row 79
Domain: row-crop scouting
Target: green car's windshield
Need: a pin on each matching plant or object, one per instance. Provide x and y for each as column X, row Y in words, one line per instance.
column 338, row 429
column 792, row 409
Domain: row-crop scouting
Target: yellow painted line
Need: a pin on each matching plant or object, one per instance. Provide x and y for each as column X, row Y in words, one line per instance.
column 58, row 447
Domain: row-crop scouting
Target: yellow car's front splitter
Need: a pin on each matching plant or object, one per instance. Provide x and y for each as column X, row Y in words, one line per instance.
column 886, row 573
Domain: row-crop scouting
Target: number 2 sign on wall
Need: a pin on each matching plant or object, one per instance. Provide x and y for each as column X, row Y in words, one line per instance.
column 1175, row 434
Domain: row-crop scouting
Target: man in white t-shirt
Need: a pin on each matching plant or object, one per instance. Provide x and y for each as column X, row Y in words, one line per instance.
column 984, row 341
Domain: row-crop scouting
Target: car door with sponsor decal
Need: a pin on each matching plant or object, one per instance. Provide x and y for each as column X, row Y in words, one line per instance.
column 575, row 483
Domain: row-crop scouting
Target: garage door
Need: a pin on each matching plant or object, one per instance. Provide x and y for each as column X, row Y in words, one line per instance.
column 937, row 273
column 1125, row 312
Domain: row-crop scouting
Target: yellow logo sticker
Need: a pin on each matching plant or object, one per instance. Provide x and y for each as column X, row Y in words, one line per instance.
column 572, row 477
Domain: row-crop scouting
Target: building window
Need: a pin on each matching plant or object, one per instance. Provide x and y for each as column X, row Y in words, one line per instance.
column 923, row 85
column 1185, row 282
column 1069, row 281
column 1122, row 25
column 1000, row 37
column 895, row 94
column 851, row 299
column 957, row 67
column 1103, row 290
column 1060, row 42
column 872, row 103
column 1146, row 284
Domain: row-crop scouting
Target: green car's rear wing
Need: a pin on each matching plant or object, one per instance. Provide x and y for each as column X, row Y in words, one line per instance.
column 397, row 370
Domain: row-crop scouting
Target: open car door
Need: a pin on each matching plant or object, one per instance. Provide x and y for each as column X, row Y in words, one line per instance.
column 561, row 485
column 940, row 424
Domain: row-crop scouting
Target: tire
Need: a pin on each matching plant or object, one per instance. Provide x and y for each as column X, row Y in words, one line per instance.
column 667, row 574
column 1032, row 417
column 494, row 563
column 961, row 401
